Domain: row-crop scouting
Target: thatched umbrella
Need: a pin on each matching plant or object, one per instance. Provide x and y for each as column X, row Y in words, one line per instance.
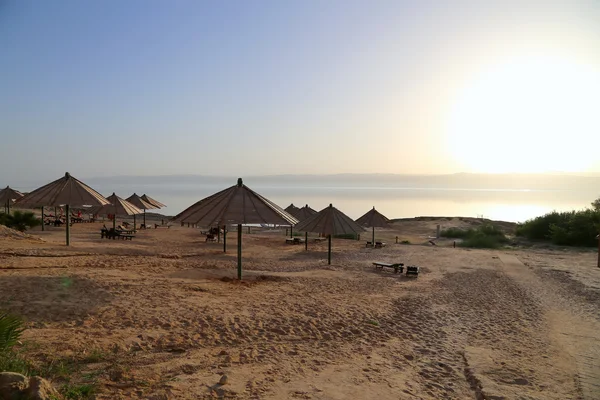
column 373, row 218
column 330, row 221
column 8, row 196
column 150, row 200
column 141, row 204
column 303, row 213
column 118, row 206
column 291, row 209
column 235, row 205
column 66, row 191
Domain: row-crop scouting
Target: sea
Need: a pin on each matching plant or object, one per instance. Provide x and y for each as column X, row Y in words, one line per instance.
column 506, row 198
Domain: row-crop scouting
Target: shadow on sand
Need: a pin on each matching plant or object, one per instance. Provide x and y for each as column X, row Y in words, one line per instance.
column 51, row 299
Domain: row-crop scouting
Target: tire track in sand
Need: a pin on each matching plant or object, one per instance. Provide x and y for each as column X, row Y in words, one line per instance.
column 577, row 335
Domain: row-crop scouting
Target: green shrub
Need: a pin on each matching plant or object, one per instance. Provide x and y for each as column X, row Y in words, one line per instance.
column 572, row 228
column 20, row 220
column 456, row 233
column 480, row 241
column 405, row 242
column 485, row 236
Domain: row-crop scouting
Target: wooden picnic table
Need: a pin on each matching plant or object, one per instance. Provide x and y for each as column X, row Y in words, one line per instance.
column 397, row 267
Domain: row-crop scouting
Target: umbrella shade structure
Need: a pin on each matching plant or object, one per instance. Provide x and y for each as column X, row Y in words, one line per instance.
column 118, row 206
column 150, row 200
column 330, row 221
column 235, row 205
column 141, row 204
column 373, row 219
column 304, row 213
column 8, row 196
column 67, row 191
column 291, row 209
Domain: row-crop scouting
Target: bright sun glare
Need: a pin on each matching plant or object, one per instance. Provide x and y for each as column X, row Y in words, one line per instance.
column 534, row 114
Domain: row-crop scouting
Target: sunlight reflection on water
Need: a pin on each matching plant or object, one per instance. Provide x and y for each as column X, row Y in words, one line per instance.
column 500, row 204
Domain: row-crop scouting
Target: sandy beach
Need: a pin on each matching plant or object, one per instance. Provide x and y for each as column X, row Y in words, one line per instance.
column 163, row 317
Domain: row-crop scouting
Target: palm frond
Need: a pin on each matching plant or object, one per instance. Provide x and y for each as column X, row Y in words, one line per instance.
column 11, row 328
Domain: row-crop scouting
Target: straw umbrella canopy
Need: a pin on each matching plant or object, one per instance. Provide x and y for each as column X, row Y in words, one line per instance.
column 373, row 218
column 150, row 200
column 291, row 209
column 303, row 213
column 330, row 221
column 235, row 205
column 67, row 191
column 8, row 195
column 141, row 204
column 118, row 206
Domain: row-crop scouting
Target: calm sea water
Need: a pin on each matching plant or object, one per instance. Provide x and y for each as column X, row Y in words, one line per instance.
column 395, row 202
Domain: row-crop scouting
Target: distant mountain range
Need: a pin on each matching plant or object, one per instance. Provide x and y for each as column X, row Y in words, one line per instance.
column 451, row 181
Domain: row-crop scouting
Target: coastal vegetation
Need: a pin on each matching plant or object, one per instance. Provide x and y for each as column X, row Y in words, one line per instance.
column 571, row 228
column 486, row 236
column 20, row 220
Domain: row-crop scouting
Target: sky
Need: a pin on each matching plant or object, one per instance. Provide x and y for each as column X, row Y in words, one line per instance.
column 146, row 87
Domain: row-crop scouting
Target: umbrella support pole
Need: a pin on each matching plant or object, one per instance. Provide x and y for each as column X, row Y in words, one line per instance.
column 145, row 219
column 329, row 251
column 306, row 241
column 224, row 238
column 134, row 228
column 291, row 231
column 373, row 242
column 43, row 219
column 68, row 226
column 239, row 266
column 114, row 221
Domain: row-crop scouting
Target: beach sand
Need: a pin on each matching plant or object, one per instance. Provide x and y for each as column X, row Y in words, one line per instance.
column 163, row 316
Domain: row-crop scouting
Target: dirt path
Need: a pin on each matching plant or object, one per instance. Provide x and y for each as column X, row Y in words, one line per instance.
column 570, row 329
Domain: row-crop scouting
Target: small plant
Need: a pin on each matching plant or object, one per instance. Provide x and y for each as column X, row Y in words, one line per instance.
column 373, row 322
column 78, row 392
column 11, row 328
column 20, row 220
column 96, row 355
column 405, row 242
column 13, row 362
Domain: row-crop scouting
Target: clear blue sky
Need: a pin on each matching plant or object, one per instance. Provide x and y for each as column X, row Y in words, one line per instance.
column 266, row 87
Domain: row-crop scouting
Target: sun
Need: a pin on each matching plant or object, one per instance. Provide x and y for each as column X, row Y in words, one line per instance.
column 532, row 114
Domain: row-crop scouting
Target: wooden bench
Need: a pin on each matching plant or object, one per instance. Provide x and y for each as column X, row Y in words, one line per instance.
column 369, row 244
column 398, row 267
column 319, row 239
column 294, row 240
column 412, row 270
column 379, row 245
